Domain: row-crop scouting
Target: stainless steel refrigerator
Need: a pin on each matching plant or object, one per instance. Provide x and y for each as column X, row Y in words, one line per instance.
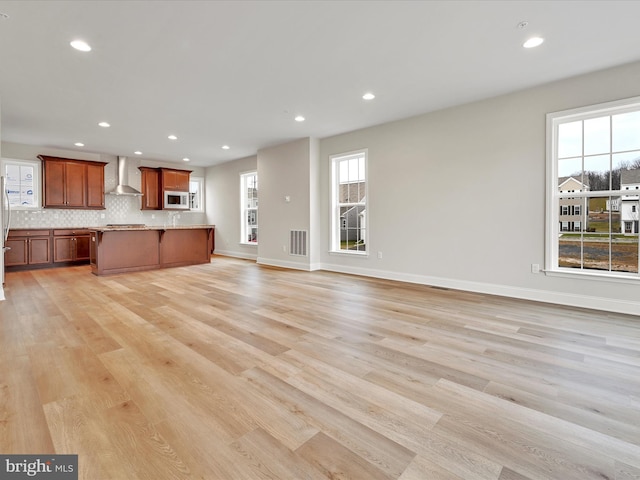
column 5, row 218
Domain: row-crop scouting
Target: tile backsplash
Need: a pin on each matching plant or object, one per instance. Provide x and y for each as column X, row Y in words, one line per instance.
column 119, row 209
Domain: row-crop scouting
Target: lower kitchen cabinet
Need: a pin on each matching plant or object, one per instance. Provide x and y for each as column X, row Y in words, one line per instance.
column 28, row 247
column 40, row 248
column 70, row 245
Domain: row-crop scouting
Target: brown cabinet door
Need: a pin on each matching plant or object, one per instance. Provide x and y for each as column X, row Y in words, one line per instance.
column 150, row 189
column 182, row 181
column 54, row 184
column 175, row 180
column 18, row 255
column 169, row 180
column 76, row 184
column 62, row 249
column 39, row 251
column 82, row 247
column 95, row 186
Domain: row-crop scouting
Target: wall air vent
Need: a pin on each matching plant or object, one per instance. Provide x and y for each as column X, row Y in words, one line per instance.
column 298, row 243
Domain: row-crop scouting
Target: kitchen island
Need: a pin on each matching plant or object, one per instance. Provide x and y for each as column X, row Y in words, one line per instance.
column 133, row 248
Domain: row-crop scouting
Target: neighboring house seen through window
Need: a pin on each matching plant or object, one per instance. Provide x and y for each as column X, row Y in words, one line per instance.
column 249, row 208
column 593, row 166
column 349, row 203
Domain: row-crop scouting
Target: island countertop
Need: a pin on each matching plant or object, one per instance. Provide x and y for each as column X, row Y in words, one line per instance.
column 136, row 226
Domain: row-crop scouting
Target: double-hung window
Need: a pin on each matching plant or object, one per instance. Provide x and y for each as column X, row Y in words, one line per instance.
column 249, row 208
column 22, row 183
column 349, row 232
column 593, row 169
column 196, row 194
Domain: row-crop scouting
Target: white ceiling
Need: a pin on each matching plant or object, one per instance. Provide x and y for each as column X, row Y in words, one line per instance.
column 236, row 73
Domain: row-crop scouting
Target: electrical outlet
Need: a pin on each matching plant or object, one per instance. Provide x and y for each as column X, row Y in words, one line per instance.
column 535, row 268
column 379, row 255
column 284, row 248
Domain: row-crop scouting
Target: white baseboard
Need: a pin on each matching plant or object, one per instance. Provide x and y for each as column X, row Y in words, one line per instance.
column 285, row 264
column 229, row 253
column 559, row 298
column 569, row 299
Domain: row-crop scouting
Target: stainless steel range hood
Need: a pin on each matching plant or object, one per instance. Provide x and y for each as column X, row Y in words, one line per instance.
column 123, row 187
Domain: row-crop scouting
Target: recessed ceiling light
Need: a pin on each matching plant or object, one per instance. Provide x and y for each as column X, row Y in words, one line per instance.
column 104, row 124
column 79, row 144
column 81, row 45
column 185, row 159
column 172, row 137
column 533, row 42
column 138, row 152
column 299, row 118
column 368, row 96
column 226, row 147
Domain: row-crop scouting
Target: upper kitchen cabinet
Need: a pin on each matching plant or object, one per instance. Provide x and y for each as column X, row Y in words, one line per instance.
column 174, row 180
column 150, row 183
column 69, row 183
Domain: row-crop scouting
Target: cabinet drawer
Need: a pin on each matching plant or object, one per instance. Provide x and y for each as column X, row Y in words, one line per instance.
column 70, row 232
column 29, row 233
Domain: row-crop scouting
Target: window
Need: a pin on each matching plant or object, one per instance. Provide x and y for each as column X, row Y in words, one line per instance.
column 196, row 194
column 22, row 183
column 249, row 208
column 593, row 161
column 349, row 203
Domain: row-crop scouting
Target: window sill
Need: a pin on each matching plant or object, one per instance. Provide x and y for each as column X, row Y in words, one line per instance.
column 349, row 254
column 247, row 244
column 631, row 278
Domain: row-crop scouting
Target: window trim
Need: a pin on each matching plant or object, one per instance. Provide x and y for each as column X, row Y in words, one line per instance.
column 334, row 231
column 37, row 181
column 552, row 195
column 244, row 210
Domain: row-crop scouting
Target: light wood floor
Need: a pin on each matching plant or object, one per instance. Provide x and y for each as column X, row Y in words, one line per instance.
column 235, row 371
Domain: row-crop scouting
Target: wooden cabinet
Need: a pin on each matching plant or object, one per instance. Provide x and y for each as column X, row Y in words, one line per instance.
column 174, row 180
column 69, row 183
column 156, row 181
column 28, row 247
column 95, row 186
column 150, row 182
column 70, row 245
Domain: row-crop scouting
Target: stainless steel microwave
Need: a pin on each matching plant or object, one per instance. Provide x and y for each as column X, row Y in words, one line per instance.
column 176, row 200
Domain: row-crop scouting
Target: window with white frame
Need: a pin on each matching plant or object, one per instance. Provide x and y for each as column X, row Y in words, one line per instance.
column 22, row 183
column 249, row 208
column 596, row 151
column 196, row 194
column 349, row 203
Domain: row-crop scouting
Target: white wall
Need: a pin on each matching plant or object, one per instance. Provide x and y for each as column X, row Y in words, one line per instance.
column 118, row 209
column 222, row 187
column 457, row 197
column 284, row 171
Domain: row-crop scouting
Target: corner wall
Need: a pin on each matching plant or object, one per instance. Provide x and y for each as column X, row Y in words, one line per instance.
column 457, row 197
column 285, row 199
column 222, row 187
